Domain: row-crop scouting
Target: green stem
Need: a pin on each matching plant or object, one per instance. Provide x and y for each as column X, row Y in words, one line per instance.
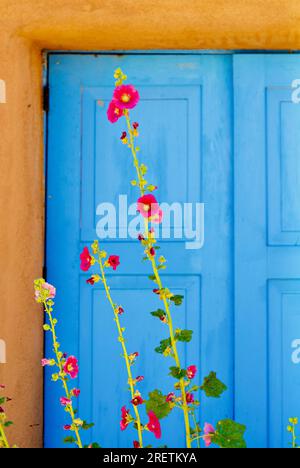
column 60, row 366
column 197, row 438
column 3, row 437
column 122, row 341
column 160, row 285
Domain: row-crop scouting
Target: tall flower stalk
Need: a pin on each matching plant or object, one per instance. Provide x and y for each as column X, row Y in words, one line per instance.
column 67, row 366
column 100, row 258
column 228, row 433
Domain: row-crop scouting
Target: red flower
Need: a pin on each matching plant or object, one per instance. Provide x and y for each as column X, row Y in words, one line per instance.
column 152, row 251
column 91, row 280
column 140, row 378
column 123, row 136
column 189, row 398
column 86, row 259
column 137, row 400
column 114, row 112
column 76, row 392
column 120, row 310
column 170, row 397
column 71, row 367
column 126, row 96
column 135, row 125
column 136, row 444
column 141, row 237
column 124, row 418
column 65, row 401
column 67, row 427
column 156, row 291
column 147, row 205
column 114, row 261
column 191, row 372
column 154, row 425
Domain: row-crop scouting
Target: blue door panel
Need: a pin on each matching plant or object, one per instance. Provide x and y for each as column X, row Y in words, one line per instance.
column 267, row 256
column 185, row 117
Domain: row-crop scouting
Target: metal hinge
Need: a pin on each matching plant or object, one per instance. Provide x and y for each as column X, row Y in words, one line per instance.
column 46, row 98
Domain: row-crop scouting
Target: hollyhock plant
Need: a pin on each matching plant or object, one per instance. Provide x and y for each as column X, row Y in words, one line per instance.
column 113, row 261
column 67, row 367
column 4, row 422
column 149, row 208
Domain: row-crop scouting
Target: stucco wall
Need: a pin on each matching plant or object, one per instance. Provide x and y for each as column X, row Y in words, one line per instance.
column 27, row 27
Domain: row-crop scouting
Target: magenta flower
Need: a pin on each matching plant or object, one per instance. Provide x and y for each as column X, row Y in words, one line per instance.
column 147, row 205
column 114, row 112
column 170, row 397
column 76, row 392
column 126, row 96
column 191, row 372
column 154, row 425
column 157, row 217
column 71, row 367
column 114, row 261
column 86, row 259
column 137, row 400
column 65, row 401
column 152, row 252
column 209, row 431
column 125, row 418
column 189, row 398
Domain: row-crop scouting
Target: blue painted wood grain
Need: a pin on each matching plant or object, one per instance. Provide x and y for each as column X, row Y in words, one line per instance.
column 185, row 117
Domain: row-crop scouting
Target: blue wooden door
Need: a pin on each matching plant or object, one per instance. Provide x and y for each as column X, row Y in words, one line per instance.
column 185, row 117
column 267, row 255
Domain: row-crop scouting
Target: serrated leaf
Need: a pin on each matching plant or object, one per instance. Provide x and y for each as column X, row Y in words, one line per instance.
column 160, row 313
column 177, row 299
column 164, row 344
column 158, row 404
column 69, row 440
column 85, row 426
column 212, row 386
column 184, row 336
column 177, row 373
column 229, row 434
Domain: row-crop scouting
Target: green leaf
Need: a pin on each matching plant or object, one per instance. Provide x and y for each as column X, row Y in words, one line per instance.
column 164, row 344
column 229, row 434
column 158, row 404
column 184, row 335
column 212, row 386
column 85, row 426
column 2, row 400
column 177, row 299
column 8, row 423
column 177, row 373
column 159, row 313
column 95, row 445
column 69, row 440
column 152, row 277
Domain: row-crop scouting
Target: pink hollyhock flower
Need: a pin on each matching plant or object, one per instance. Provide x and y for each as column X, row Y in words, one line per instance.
column 67, row 427
column 114, row 261
column 124, row 418
column 86, row 259
column 170, row 397
column 76, row 392
column 157, row 218
column 45, row 362
column 2, row 386
column 114, row 112
column 126, row 96
column 191, row 372
column 209, row 431
column 140, row 378
column 189, row 398
column 154, row 425
column 147, row 205
column 51, row 291
column 136, row 444
column 71, row 367
column 65, row 401
column 137, row 400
